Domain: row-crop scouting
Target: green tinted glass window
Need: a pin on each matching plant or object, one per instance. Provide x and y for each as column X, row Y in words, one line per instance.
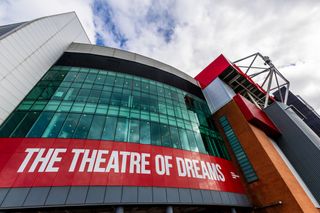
column 122, row 129
column 134, row 130
column 75, row 102
column 165, row 135
column 38, row 128
column 176, row 143
column 53, row 128
column 69, row 126
column 96, row 127
column 11, row 123
column 23, row 128
column 109, row 128
column 236, row 147
column 155, row 133
column 145, row 132
column 83, row 126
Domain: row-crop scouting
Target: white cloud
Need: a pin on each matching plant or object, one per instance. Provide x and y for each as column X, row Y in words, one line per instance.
column 25, row 10
column 287, row 31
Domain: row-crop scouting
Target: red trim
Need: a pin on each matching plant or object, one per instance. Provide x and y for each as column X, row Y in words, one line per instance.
column 13, row 152
column 251, row 81
column 256, row 116
column 212, row 71
column 218, row 66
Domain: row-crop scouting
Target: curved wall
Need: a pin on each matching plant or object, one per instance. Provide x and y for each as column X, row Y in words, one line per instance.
column 63, row 138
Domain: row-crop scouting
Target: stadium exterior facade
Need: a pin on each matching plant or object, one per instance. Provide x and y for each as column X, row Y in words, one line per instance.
column 84, row 126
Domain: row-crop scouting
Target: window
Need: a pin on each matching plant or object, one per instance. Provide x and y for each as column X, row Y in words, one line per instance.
column 38, row 128
column 134, row 130
column 109, row 128
column 25, row 125
column 75, row 102
column 145, row 132
column 53, row 128
column 236, row 147
column 96, row 128
column 122, row 129
column 83, row 126
column 69, row 126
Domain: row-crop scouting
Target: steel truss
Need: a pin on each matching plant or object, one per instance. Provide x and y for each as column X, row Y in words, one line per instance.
column 262, row 71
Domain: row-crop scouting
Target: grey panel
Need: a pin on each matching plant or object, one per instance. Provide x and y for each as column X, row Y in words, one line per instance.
column 173, row 195
column 113, row 194
column 15, row 197
column 232, row 198
column 185, row 196
column 225, row 198
column 206, row 196
column 217, row 94
column 216, row 198
column 245, row 201
column 159, row 195
column 299, row 144
column 37, row 196
column 144, row 194
column 57, row 195
column 129, row 194
column 77, row 195
column 241, row 200
column 95, row 194
column 196, row 196
column 7, row 28
column 122, row 54
column 3, row 193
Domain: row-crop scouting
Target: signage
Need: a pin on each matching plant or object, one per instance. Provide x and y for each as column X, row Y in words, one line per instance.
column 35, row 162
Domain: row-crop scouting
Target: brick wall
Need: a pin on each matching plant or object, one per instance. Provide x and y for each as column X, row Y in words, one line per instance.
column 276, row 182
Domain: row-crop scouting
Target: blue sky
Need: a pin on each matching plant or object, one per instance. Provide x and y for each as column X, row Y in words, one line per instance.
column 190, row 34
column 155, row 15
column 105, row 13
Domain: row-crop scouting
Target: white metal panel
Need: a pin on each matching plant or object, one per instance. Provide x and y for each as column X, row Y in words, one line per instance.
column 26, row 54
column 19, row 45
column 147, row 61
column 21, row 85
column 217, row 94
column 7, row 62
column 102, row 51
column 122, row 54
column 9, row 101
column 12, row 85
column 3, row 113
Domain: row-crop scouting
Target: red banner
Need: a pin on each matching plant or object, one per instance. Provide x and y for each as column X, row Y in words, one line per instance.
column 34, row 162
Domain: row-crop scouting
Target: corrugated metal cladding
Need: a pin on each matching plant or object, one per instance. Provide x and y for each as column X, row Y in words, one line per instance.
column 300, row 145
column 114, row 195
column 39, row 43
column 7, row 28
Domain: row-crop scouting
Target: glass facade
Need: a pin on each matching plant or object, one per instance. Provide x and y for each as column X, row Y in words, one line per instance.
column 236, row 147
column 74, row 102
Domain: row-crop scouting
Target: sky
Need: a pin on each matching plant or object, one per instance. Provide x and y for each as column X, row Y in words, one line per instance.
column 189, row 34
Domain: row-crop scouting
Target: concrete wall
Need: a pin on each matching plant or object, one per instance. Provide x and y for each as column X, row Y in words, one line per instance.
column 29, row 50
